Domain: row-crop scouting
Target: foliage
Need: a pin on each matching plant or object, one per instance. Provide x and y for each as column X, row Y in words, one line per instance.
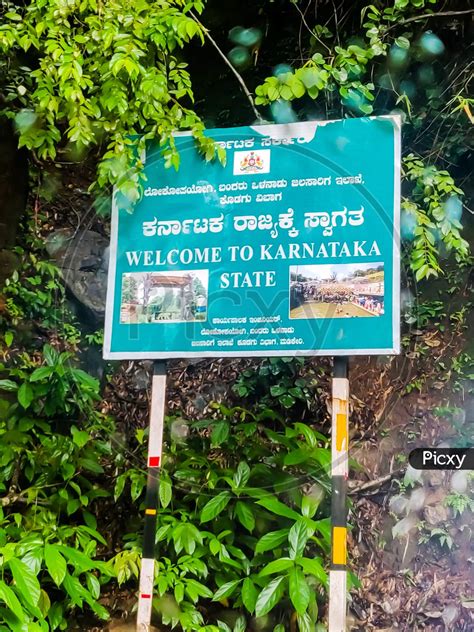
column 250, row 533
column 100, row 73
column 390, row 51
column 280, row 383
column 53, row 443
column 434, row 205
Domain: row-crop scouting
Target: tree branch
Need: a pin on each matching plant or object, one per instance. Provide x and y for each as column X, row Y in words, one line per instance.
column 238, row 76
column 416, row 18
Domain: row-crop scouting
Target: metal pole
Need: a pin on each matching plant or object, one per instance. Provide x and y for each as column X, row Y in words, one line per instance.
column 155, row 443
column 339, row 474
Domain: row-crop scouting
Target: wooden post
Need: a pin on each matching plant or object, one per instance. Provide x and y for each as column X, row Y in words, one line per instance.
column 339, row 474
column 155, row 443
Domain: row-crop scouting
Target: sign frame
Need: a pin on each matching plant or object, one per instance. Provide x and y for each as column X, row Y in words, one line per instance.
column 109, row 354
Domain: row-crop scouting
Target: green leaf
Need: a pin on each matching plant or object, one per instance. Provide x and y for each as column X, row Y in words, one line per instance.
column 297, row 538
column 8, row 385
column 41, row 373
column 11, row 600
column 402, row 42
column 271, row 540
column 270, row 596
column 276, row 507
column 282, row 564
column 55, row 563
column 79, row 437
column 299, row 590
column 313, row 567
column 25, row 394
column 93, row 585
column 220, row 433
column 165, row 490
column 242, row 475
column 25, row 581
column 226, row 590
column 249, row 594
column 245, row 515
column 215, row 506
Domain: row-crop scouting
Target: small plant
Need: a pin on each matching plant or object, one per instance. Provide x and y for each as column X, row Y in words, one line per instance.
column 437, row 533
column 459, row 503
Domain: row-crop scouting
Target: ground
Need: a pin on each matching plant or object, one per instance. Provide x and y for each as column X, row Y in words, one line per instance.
column 314, row 309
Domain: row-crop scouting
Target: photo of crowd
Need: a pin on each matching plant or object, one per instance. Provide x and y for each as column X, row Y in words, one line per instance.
column 337, row 291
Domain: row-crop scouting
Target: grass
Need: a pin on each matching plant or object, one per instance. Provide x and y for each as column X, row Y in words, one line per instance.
column 329, row 310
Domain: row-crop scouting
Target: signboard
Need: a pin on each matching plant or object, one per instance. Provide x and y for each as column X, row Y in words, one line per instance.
column 292, row 248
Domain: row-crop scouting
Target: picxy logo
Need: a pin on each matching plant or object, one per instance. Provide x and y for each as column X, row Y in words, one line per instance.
column 442, row 458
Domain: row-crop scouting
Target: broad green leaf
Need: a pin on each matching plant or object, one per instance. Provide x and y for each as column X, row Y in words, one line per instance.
column 312, row 566
column 276, row 507
column 215, row 506
column 25, row 394
column 297, row 538
column 55, row 563
column 165, row 490
column 74, row 589
column 80, row 437
column 33, row 559
column 249, row 594
column 93, row 585
column 220, row 433
column 56, row 615
column 41, row 373
column 245, row 515
column 25, row 581
column 271, row 540
column 11, row 600
column 8, row 385
column 242, row 475
column 226, row 590
column 270, row 596
column 299, row 590
column 277, row 566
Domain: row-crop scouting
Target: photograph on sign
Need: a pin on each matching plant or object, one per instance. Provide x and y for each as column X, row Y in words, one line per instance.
column 160, row 297
column 337, row 291
column 290, row 248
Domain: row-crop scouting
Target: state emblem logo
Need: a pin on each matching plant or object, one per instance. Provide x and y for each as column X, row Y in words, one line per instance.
column 252, row 162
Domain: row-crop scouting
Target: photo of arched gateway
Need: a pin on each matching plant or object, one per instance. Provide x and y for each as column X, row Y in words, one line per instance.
column 161, row 297
column 353, row 290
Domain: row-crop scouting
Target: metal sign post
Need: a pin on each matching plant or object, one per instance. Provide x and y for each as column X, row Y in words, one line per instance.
column 339, row 474
column 155, row 443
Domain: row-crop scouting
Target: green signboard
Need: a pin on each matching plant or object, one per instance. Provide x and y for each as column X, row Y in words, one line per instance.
column 291, row 248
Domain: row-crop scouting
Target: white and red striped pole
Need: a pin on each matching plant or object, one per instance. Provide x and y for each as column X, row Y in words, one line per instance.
column 155, row 444
column 339, row 474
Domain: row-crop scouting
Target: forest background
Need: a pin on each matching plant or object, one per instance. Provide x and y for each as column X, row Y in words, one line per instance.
column 243, row 536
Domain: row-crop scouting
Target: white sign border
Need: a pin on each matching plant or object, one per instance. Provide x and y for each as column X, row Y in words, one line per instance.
column 108, row 354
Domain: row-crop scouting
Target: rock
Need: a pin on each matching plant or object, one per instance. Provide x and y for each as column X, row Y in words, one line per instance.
column 398, row 505
column 391, row 605
column 434, row 478
column 459, row 481
column 140, row 380
column 417, row 499
column 83, row 261
column 404, row 526
column 8, row 263
column 449, row 616
column 412, row 475
column 436, row 515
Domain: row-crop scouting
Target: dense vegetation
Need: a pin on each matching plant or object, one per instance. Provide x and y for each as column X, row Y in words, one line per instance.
column 244, row 519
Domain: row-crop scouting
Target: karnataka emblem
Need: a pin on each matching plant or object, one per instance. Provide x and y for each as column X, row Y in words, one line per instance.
column 252, row 163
